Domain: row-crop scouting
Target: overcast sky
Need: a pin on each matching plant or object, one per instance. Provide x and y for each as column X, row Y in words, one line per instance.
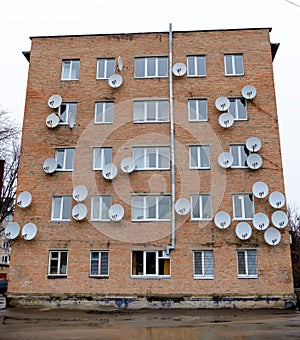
column 22, row 19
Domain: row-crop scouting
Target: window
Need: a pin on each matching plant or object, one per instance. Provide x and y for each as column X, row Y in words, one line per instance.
column 239, row 154
column 203, row 264
column 58, row 262
column 102, row 156
column 99, row 263
column 70, row 69
column 234, row 65
column 197, row 110
column 61, row 208
column 247, row 263
column 5, row 259
column 196, row 66
column 151, row 67
column 105, row 68
column 238, row 108
column 152, row 158
column 150, row 208
column 65, row 159
column 201, row 207
column 150, row 263
column 243, row 206
column 151, row 111
column 104, row 112
column 199, row 157
column 65, row 111
column 6, row 245
column 100, row 207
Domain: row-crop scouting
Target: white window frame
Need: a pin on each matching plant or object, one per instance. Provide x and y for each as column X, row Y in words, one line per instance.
column 59, row 272
column 199, row 116
column 234, row 105
column 207, row 259
column 242, row 197
column 199, row 160
column 64, row 200
column 70, row 108
column 106, row 152
column 108, row 70
column 5, row 259
column 159, row 153
column 247, row 254
column 145, row 117
column 107, row 112
column 101, row 206
column 230, row 61
column 240, row 148
column 99, row 266
column 201, row 207
column 146, row 61
column 195, row 60
column 73, row 73
column 143, row 204
column 67, row 152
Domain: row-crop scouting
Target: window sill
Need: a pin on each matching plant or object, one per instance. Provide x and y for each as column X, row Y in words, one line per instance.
column 151, row 122
column 103, row 123
column 200, row 168
column 151, row 277
column 248, row 277
column 57, row 276
column 98, row 277
column 141, row 220
column 204, row 278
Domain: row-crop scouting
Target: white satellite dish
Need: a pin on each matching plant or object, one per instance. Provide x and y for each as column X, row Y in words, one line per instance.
column 277, row 199
column 50, row 165
column 52, row 120
column 272, row 236
column 128, row 165
column 280, row 219
column 260, row 189
column 79, row 211
column 54, row 101
column 24, row 199
column 253, row 144
column 243, row 230
column 179, row 69
column 109, row 171
column 261, row 221
column 182, row 206
column 225, row 159
column 222, row 103
column 12, row 230
column 254, row 161
column 116, row 212
column 226, row 120
column 248, row 92
column 80, row 193
column 120, row 63
column 115, row 80
column 71, row 120
column 29, row 231
column 222, row 219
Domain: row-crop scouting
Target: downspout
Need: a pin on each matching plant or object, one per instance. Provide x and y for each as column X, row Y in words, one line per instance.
column 172, row 246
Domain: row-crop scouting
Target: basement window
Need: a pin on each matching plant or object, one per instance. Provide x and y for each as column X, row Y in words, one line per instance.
column 150, row 263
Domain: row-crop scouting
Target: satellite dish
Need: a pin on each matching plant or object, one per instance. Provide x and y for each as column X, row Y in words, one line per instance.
column 225, row 159
column 52, row 120
column 222, row 103
column 128, row 165
column 182, row 206
column 79, row 211
column 179, row 69
column 12, row 230
column 253, row 144
column 115, row 80
column 50, row 165
column 277, row 199
column 260, row 189
column 261, row 221
column 29, row 231
column 109, row 171
column 272, row 236
column 116, row 212
column 254, row 161
column 222, row 220
column 120, row 63
column 71, row 120
column 243, row 230
column 248, row 92
column 226, row 120
column 280, row 219
column 54, row 101
column 24, row 199
column 80, row 193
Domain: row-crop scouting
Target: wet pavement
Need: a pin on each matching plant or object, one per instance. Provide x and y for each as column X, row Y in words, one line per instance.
column 41, row 323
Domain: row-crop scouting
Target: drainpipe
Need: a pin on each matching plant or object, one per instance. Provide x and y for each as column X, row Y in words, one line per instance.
column 172, row 246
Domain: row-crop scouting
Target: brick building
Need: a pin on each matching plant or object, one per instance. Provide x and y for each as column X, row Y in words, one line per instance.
column 154, row 165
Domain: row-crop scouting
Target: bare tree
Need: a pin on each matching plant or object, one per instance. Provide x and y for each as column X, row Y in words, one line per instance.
column 294, row 229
